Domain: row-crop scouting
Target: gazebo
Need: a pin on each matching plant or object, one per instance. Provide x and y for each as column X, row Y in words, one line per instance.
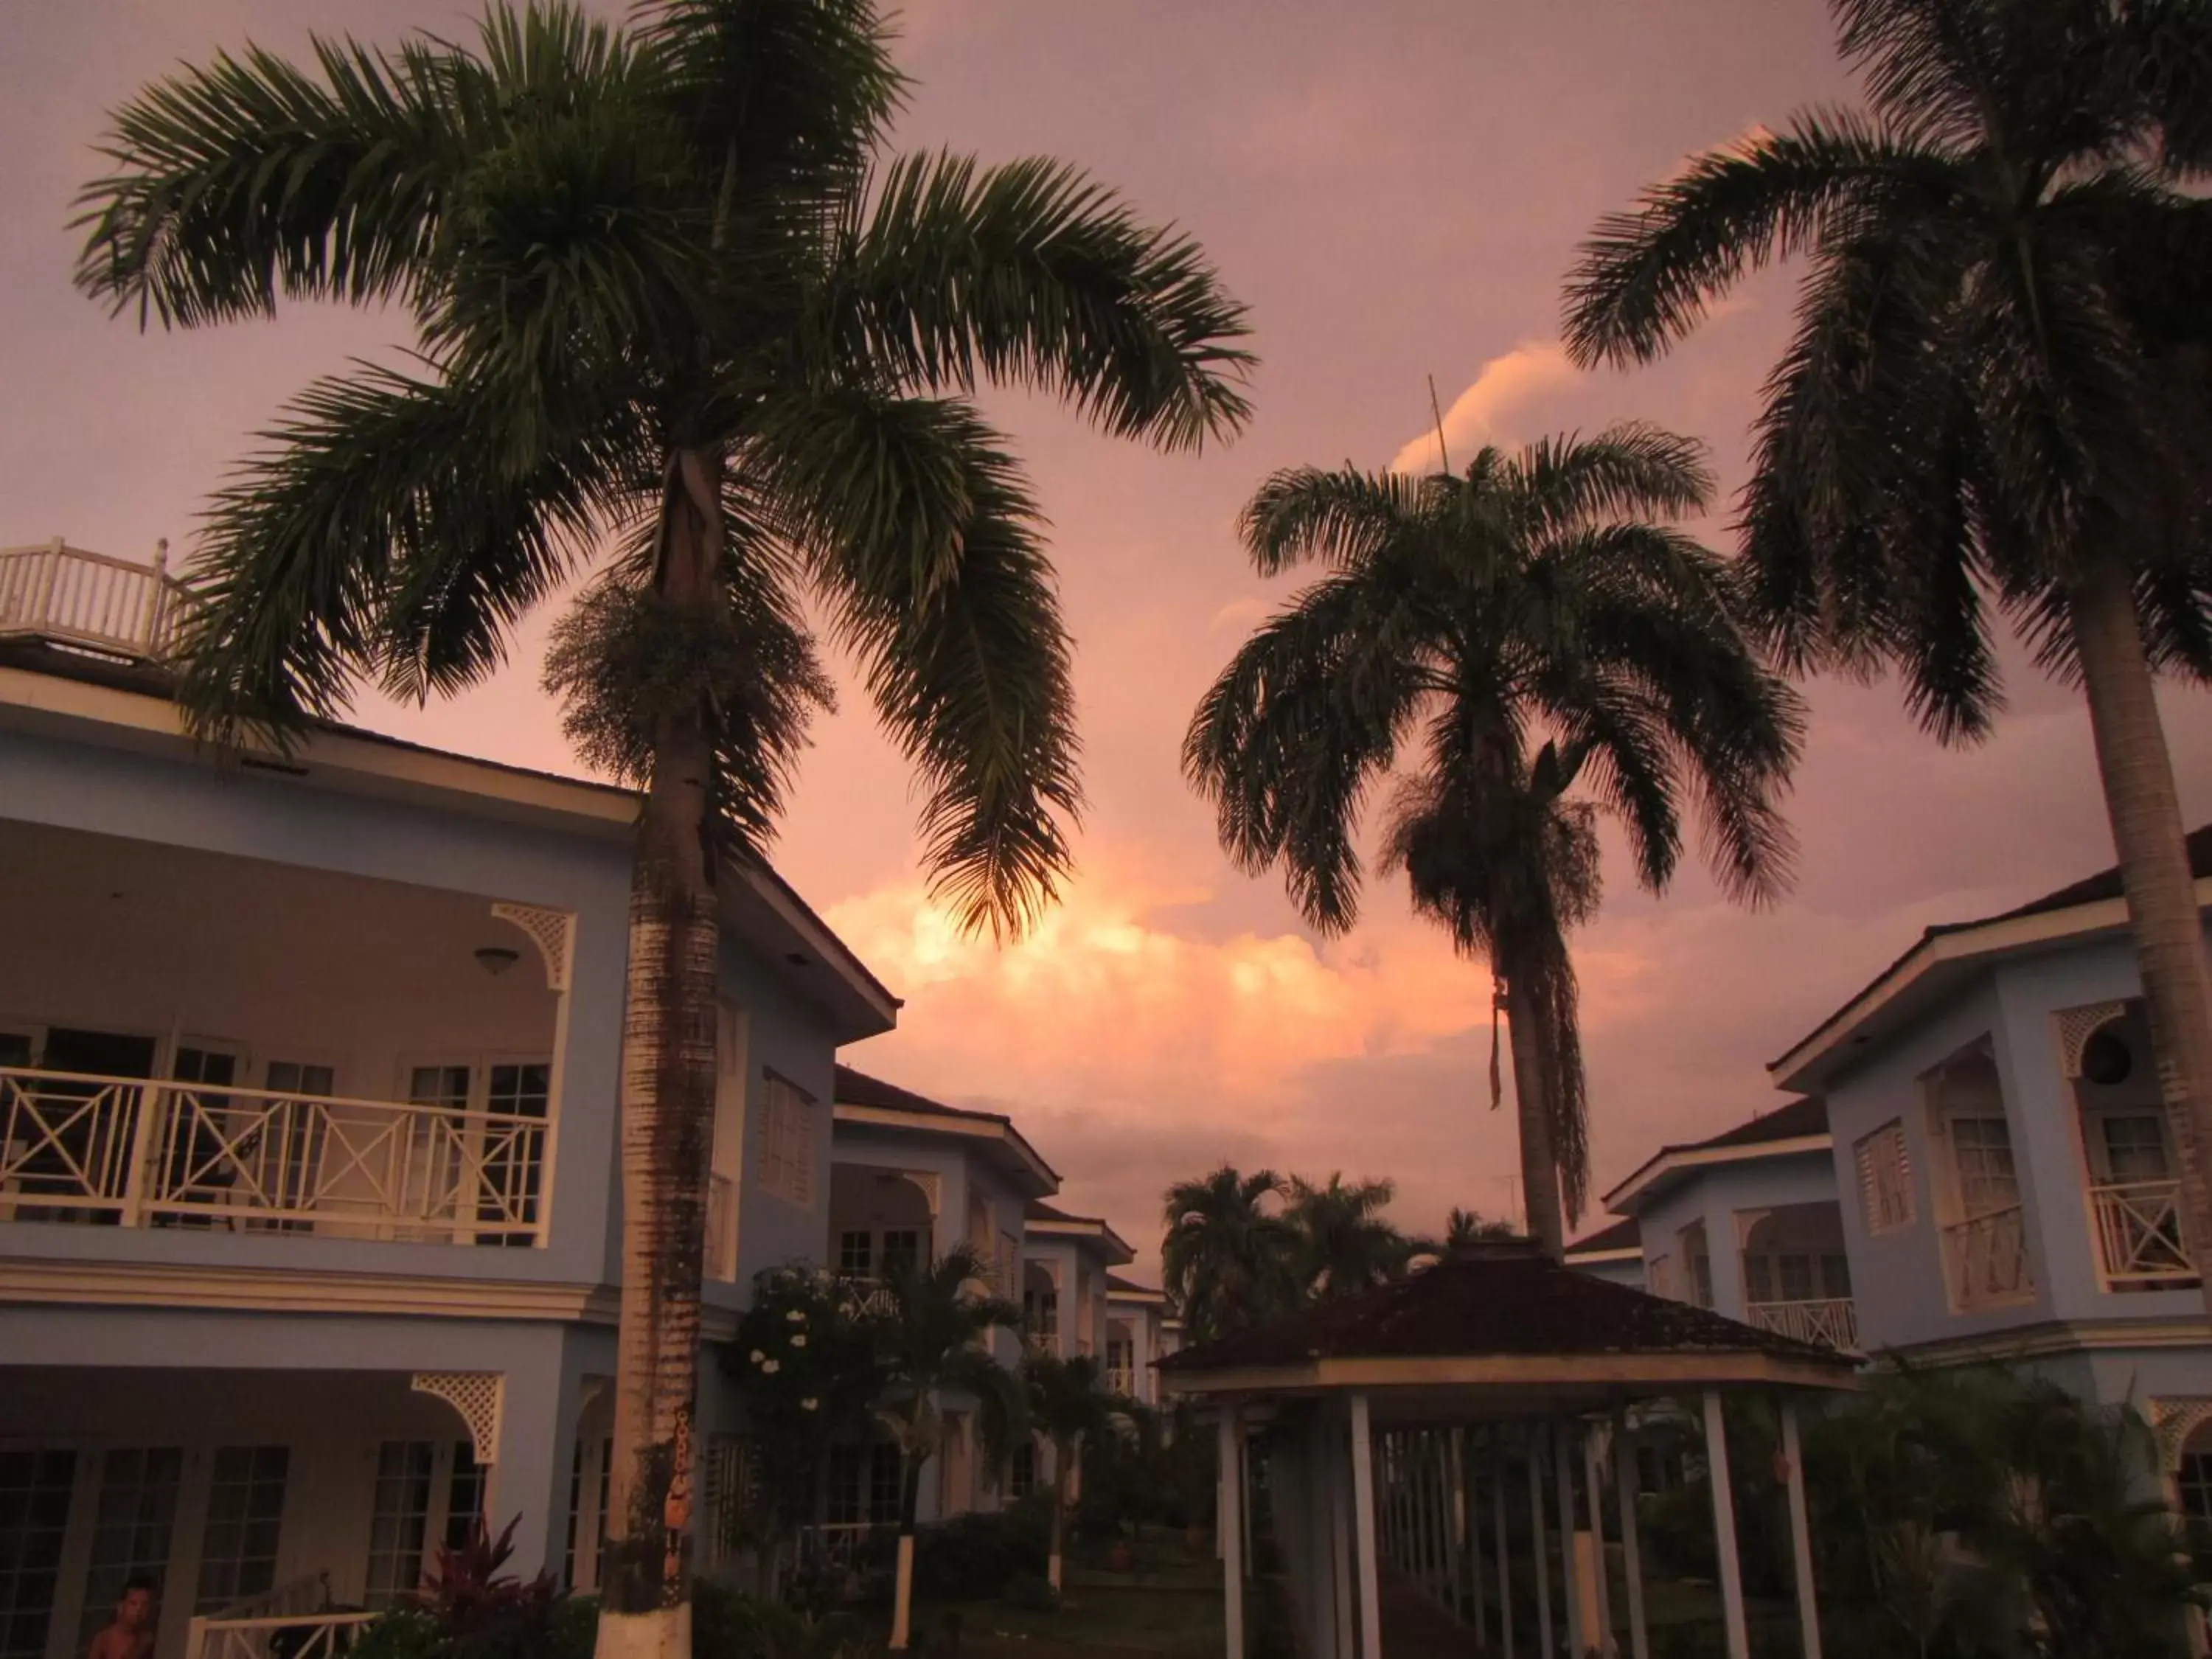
column 1401, row 1426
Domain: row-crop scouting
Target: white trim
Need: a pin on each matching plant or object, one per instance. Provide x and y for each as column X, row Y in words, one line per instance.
column 962, row 1127
column 1692, row 1157
column 1590, row 1258
column 2046, row 1339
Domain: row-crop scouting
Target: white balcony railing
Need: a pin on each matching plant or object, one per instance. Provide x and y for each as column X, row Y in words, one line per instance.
column 2138, row 1226
column 61, row 593
column 1987, row 1258
column 1832, row 1322
column 76, row 1147
column 306, row 1635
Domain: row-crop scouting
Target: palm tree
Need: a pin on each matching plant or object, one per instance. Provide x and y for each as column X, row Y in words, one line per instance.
column 1995, row 399
column 934, row 1340
column 1068, row 1406
column 1526, row 625
column 1345, row 1244
column 1465, row 1227
column 667, row 290
column 1229, row 1255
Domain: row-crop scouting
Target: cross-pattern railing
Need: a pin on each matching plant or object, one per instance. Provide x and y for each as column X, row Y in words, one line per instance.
column 1832, row 1322
column 61, row 593
column 1987, row 1258
column 292, row 1635
column 78, row 1147
column 2139, row 1234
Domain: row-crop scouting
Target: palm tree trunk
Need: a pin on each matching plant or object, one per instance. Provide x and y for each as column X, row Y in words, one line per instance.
column 1540, row 1168
column 667, row 1118
column 902, row 1594
column 2145, row 811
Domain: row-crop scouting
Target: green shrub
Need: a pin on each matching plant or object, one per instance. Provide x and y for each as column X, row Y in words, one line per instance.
column 974, row 1556
column 1030, row 1592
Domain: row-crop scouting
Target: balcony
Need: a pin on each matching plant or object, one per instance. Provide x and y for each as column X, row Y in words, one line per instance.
column 2138, row 1228
column 90, row 601
column 1830, row 1321
column 139, row 1154
column 1987, row 1259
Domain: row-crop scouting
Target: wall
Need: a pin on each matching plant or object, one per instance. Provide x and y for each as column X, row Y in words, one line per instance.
column 1714, row 1194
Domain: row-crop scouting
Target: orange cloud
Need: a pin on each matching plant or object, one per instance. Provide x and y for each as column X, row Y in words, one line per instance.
column 1533, row 371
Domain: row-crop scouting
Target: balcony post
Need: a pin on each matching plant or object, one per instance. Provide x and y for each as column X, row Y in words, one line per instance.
column 146, row 1108
column 1801, row 1534
column 1724, row 1538
column 1631, row 1563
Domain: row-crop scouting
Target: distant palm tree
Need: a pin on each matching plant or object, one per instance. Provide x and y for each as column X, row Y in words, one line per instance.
column 1230, row 1256
column 667, row 290
column 1521, row 627
column 1465, row 1227
column 1344, row 1243
column 934, row 1339
column 1068, row 1406
column 1996, row 399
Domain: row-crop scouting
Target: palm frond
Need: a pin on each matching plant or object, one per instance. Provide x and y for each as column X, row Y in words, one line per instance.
column 1342, row 518
column 1634, row 470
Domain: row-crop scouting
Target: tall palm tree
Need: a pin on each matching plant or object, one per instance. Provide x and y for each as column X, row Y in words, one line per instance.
column 1346, row 1243
column 933, row 1342
column 667, row 290
column 1510, row 631
column 1464, row 1227
column 1230, row 1256
column 1068, row 1406
column 1996, row 400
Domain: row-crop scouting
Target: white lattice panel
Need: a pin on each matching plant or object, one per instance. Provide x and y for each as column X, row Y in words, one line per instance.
column 2076, row 1026
column 479, row 1396
column 553, row 932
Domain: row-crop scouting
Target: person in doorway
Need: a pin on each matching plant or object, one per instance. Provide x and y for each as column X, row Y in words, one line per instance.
column 129, row 1634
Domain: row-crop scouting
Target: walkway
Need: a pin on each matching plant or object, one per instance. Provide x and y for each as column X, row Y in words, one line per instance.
column 1414, row 1627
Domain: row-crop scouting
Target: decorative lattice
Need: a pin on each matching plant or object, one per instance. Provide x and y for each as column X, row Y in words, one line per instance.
column 478, row 1397
column 2076, row 1026
column 2175, row 1420
column 553, row 932
column 933, row 1189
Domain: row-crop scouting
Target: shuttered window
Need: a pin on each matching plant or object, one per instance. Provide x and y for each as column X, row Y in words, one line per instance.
column 1885, row 1179
column 786, row 1142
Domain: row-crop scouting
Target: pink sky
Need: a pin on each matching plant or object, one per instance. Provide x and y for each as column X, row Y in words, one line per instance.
column 1395, row 189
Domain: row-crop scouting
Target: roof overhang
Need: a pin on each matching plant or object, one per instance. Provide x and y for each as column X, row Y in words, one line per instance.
column 994, row 1137
column 759, row 907
column 1937, row 967
column 1673, row 1164
column 1575, row 1258
column 1083, row 1230
column 1139, row 1296
column 1463, row 1385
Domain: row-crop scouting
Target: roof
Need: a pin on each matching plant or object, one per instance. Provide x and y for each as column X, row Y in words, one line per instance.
column 1621, row 1239
column 1503, row 1317
column 1051, row 1219
column 1117, row 1285
column 865, row 1100
column 1796, row 1126
column 1950, row 951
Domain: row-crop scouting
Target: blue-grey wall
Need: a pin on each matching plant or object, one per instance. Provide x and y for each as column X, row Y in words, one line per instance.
column 1714, row 1194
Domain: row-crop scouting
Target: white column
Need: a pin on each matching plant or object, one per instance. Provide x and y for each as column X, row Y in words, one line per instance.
column 1801, row 1534
column 1432, row 1482
column 1231, row 1525
column 1497, row 1529
column 1725, row 1544
column 1537, row 1546
column 1363, row 1523
column 1454, row 1455
column 1481, row 1620
column 1595, row 1476
column 1340, row 1534
column 1563, row 1470
column 1632, row 1564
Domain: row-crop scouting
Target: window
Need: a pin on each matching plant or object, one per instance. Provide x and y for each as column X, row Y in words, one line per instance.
column 1010, row 1266
column 856, row 1253
column 1981, row 1155
column 729, row 1495
column 245, row 1519
column 137, row 1512
column 1701, row 1279
column 2195, row 1482
column 2135, row 1147
column 1022, row 1476
column 1885, row 1179
column 902, row 1250
column 34, row 1506
column 786, row 1143
column 864, row 1484
column 201, row 1166
column 399, row 1519
column 465, row 1495
column 1042, row 1311
column 512, row 1167
column 590, row 1478
column 1660, row 1275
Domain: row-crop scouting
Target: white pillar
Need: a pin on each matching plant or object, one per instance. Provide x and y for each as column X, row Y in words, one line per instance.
column 1538, row 1548
column 1801, row 1534
column 1454, row 1483
column 1231, row 1525
column 1725, row 1544
column 1632, row 1564
column 1497, row 1529
column 1432, row 1479
column 1363, row 1523
column 1563, row 1472
column 1600, row 1570
column 1339, row 1537
column 1481, row 1620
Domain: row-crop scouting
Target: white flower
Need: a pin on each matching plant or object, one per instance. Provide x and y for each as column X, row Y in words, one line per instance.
column 797, row 1315
column 798, row 1341
column 771, row 1366
column 808, row 1404
column 758, row 1356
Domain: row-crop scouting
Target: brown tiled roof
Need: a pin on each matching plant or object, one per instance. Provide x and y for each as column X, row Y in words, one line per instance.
column 1498, row 1299
column 1620, row 1235
column 1806, row 1115
column 1130, row 1287
column 859, row 1088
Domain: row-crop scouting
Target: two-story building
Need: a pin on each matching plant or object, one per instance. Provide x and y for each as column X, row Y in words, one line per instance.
column 1141, row 1330
column 308, row 1192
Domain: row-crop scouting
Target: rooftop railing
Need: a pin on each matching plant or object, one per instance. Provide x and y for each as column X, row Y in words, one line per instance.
column 91, row 601
column 1831, row 1321
column 2139, row 1235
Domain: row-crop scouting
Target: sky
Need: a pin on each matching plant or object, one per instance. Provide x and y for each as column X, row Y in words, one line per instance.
column 1395, row 189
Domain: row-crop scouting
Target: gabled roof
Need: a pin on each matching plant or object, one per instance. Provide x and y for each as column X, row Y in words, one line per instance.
column 1799, row 1126
column 1127, row 1290
column 865, row 1101
column 1046, row 1219
column 1622, row 1238
column 1951, row 953
column 1500, row 1317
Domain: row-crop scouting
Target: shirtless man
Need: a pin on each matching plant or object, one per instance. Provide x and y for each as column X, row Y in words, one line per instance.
column 130, row 1634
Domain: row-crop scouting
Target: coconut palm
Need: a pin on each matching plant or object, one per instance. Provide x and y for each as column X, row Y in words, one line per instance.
column 1464, row 1227
column 933, row 1343
column 1510, row 631
column 1229, row 1257
column 667, row 294
column 1995, row 407
column 1344, row 1243
column 1068, row 1406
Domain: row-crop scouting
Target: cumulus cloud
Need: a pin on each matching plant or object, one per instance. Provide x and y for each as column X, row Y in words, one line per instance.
column 1533, row 371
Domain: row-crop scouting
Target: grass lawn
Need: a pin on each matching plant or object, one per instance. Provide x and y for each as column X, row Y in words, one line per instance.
column 1169, row 1608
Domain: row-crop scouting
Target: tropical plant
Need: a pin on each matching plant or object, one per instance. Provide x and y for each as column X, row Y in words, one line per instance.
column 1465, row 1227
column 1530, row 623
column 1995, row 404
column 666, row 289
column 1068, row 1406
column 932, row 1340
column 1230, row 1256
column 1344, row 1244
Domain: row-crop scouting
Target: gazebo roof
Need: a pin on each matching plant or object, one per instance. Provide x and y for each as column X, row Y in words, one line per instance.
column 1499, row 1328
